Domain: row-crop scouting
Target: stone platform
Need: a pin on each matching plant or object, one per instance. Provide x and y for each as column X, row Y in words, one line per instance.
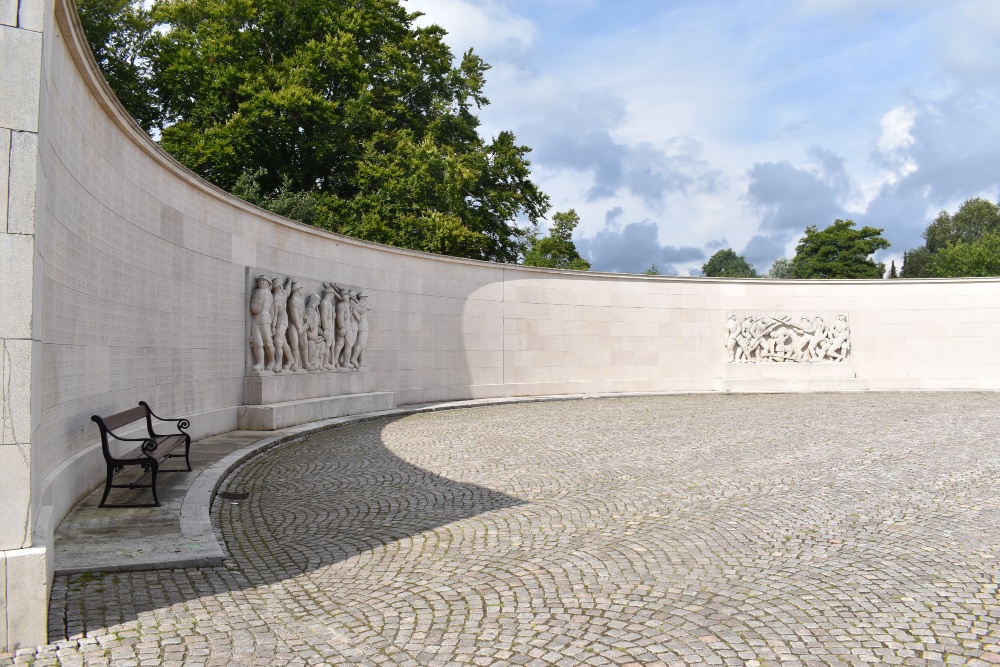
column 291, row 413
column 263, row 388
column 789, row 377
column 274, row 401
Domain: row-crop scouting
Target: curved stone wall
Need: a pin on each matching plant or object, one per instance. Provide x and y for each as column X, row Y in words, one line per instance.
column 137, row 290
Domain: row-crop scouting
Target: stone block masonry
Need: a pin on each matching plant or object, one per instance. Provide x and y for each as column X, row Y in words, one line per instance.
column 124, row 278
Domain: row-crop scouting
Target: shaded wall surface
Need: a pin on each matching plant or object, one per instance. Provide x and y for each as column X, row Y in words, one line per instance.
column 128, row 283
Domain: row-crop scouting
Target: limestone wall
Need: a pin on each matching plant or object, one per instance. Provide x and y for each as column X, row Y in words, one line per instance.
column 126, row 282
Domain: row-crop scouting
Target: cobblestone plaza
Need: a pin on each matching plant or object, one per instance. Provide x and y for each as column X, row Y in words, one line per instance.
column 812, row 529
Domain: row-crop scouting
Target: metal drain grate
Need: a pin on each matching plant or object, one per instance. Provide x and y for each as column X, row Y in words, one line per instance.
column 229, row 495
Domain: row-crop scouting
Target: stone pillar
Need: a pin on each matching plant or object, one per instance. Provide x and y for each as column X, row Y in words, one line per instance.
column 23, row 569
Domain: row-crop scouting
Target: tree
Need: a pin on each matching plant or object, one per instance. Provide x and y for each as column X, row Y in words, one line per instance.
column 975, row 217
column 979, row 258
column 958, row 245
column 557, row 250
column 727, row 264
column 651, row 271
column 118, row 32
column 781, row 269
column 917, row 263
column 892, row 270
column 367, row 118
column 839, row 251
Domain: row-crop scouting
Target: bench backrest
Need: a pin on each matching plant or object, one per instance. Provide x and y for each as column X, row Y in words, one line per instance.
column 120, row 419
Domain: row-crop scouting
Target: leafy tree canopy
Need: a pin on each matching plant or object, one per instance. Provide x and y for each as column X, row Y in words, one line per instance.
column 118, row 31
column 963, row 244
column 780, row 269
column 652, row 271
column 557, row 250
column 346, row 104
column 839, row 251
column 727, row 264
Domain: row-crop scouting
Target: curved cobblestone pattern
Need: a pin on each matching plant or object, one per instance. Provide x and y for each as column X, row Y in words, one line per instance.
column 688, row 530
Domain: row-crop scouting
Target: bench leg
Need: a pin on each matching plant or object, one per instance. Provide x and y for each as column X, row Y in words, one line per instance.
column 187, row 452
column 107, row 485
column 153, row 469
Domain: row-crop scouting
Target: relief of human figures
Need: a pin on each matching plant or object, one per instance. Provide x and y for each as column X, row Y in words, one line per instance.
column 261, row 342
column 763, row 339
column 295, row 332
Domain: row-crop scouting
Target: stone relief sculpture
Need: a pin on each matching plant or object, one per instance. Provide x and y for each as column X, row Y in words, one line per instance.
column 293, row 332
column 261, row 342
column 764, row 339
column 283, row 357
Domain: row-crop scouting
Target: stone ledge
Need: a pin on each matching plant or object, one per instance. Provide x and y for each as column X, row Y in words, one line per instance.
column 276, row 416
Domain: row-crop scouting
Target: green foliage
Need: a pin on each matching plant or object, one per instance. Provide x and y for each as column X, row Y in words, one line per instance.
column 839, row 251
column 557, row 250
column 892, row 270
column 917, row 263
column 727, row 264
column 651, row 271
column 118, row 32
column 979, row 258
column 302, row 206
column 974, row 218
column 781, row 269
column 963, row 244
column 345, row 115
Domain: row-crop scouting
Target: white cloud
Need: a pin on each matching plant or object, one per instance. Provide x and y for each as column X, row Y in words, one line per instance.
column 896, row 126
column 485, row 25
column 894, row 143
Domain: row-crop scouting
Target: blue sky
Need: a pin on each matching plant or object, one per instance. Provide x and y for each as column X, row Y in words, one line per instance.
column 678, row 127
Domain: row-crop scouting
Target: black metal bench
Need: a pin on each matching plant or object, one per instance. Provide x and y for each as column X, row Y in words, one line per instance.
column 155, row 448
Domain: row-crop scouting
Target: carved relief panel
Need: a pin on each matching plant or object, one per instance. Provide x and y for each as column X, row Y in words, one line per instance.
column 300, row 326
column 766, row 339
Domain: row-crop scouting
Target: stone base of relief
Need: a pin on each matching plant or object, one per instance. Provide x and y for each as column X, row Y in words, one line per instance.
column 274, row 388
column 783, row 339
column 292, row 413
column 788, row 378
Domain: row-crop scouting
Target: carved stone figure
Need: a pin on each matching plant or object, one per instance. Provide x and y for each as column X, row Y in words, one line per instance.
column 342, row 352
column 359, row 314
column 297, row 337
column 816, row 349
column 840, row 339
column 279, row 325
column 352, row 328
column 314, row 334
column 260, row 325
column 327, row 311
column 732, row 334
column 765, row 339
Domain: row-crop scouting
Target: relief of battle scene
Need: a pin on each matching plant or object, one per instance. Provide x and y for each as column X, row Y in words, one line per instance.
column 766, row 339
column 292, row 331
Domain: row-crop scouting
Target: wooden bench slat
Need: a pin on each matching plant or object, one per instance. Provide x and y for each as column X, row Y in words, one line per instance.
column 120, row 419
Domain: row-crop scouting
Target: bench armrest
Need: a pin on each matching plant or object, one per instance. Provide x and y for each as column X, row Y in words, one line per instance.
column 181, row 423
column 148, row 444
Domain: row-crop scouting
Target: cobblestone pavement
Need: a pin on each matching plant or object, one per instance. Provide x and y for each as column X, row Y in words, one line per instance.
column 857, row 529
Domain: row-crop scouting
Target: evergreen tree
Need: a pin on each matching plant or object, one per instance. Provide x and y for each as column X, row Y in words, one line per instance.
column 557, row 250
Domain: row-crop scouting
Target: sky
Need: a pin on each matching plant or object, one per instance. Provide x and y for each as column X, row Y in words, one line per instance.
column 676, row 128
